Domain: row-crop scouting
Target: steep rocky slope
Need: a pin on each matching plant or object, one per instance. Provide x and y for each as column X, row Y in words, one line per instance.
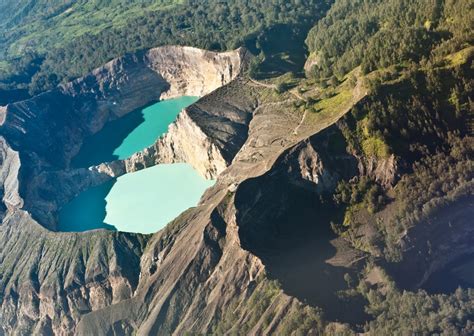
column 50, row 128
column 191, row 275
column 99, row 268
column 184, row 267
column 49, row 280
column 256, row 256
column 218, row 126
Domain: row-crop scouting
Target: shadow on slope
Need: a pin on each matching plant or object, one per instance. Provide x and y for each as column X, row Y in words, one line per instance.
column 288, row 228
column 100, row 147
column 87, row 211
column 283, row 50
column 438, row 252
column 459, row 273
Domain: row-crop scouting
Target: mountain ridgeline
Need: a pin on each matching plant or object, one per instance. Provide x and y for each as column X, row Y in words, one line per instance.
column 340, row 136
column 63, row 41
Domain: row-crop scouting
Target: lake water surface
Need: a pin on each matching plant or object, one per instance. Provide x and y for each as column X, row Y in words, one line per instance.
column 137, row 130
column 144, row 201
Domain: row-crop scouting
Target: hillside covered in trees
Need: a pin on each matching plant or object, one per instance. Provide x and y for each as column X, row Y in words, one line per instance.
column 377, row 34
column 59, row 41
column 419, row 113
column 404, row 71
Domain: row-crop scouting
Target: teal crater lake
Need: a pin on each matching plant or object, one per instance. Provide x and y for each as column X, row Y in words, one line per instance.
column 137, row 130
column 143, row 201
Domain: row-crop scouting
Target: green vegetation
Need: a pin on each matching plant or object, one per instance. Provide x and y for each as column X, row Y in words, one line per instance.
column 256, row 308
column 379, row 33
column 69, row 41
column 359, row 193
column 415, row 123
column 413, row 115
column 374, row 146
column 460, row 57
column 333, row 101
column 422, row 118
column 415, row 313
column 47, row 25
column 418, row 313
column 417, row 59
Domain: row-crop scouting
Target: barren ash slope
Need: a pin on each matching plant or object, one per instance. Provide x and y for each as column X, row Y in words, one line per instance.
column 340, row 195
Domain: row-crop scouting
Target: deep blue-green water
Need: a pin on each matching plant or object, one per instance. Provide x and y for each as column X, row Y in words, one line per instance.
column 87, row 211
column 135, row 131
column 144, row 201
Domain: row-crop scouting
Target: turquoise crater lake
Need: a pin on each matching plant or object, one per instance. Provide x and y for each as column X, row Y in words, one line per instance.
column 143, row 201
column 139, row 129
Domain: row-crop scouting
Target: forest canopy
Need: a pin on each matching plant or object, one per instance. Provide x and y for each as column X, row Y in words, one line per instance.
column 380, row 33
column 48, row 60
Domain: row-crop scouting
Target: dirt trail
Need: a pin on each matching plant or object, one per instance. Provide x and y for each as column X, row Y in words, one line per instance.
column 358, row 92
column 269, row 86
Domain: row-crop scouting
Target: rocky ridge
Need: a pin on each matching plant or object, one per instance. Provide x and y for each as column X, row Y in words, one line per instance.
column 82, row 107
column 207, row 269
column 45, row 148
column 182, row 266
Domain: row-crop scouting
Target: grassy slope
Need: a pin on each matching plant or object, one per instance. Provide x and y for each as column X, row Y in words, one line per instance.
column 43, row 33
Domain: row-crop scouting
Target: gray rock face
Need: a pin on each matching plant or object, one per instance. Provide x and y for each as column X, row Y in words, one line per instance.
column 9, row 184
column 203, row 264
column 49, row 281
column 218, row 126
column 232, row 132
column 49, row 129
column 198, row 266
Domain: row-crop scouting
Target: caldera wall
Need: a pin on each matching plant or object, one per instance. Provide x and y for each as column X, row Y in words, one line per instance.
column 48, row 130
column 38, row 137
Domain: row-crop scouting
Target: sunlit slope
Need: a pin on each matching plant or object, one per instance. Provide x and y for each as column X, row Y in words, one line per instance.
column 39, row 25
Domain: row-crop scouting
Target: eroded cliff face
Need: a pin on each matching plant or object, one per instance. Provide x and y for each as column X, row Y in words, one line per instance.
column 10, row 164
column 207, row 134
column 193, row 72
column 203, row 273
column 175, row 146
column 49, row 281
column 189, row 272
column 199, row 266
column 49, row 129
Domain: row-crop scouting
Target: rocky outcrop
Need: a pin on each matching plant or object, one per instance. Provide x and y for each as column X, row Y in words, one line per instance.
column 190, row 273
column 311, row 63
column 82, row 107
column 62, row 276
column 49, row 129
column 218, row 126
column 315, row 165
column 50, row 280
column 194, row 72
column 202, row 263
column 9, row 184
column 3, row 111
column 175, row 146
column 382, row 170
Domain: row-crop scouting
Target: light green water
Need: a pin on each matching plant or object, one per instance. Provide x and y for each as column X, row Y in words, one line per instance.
column 144, row 201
